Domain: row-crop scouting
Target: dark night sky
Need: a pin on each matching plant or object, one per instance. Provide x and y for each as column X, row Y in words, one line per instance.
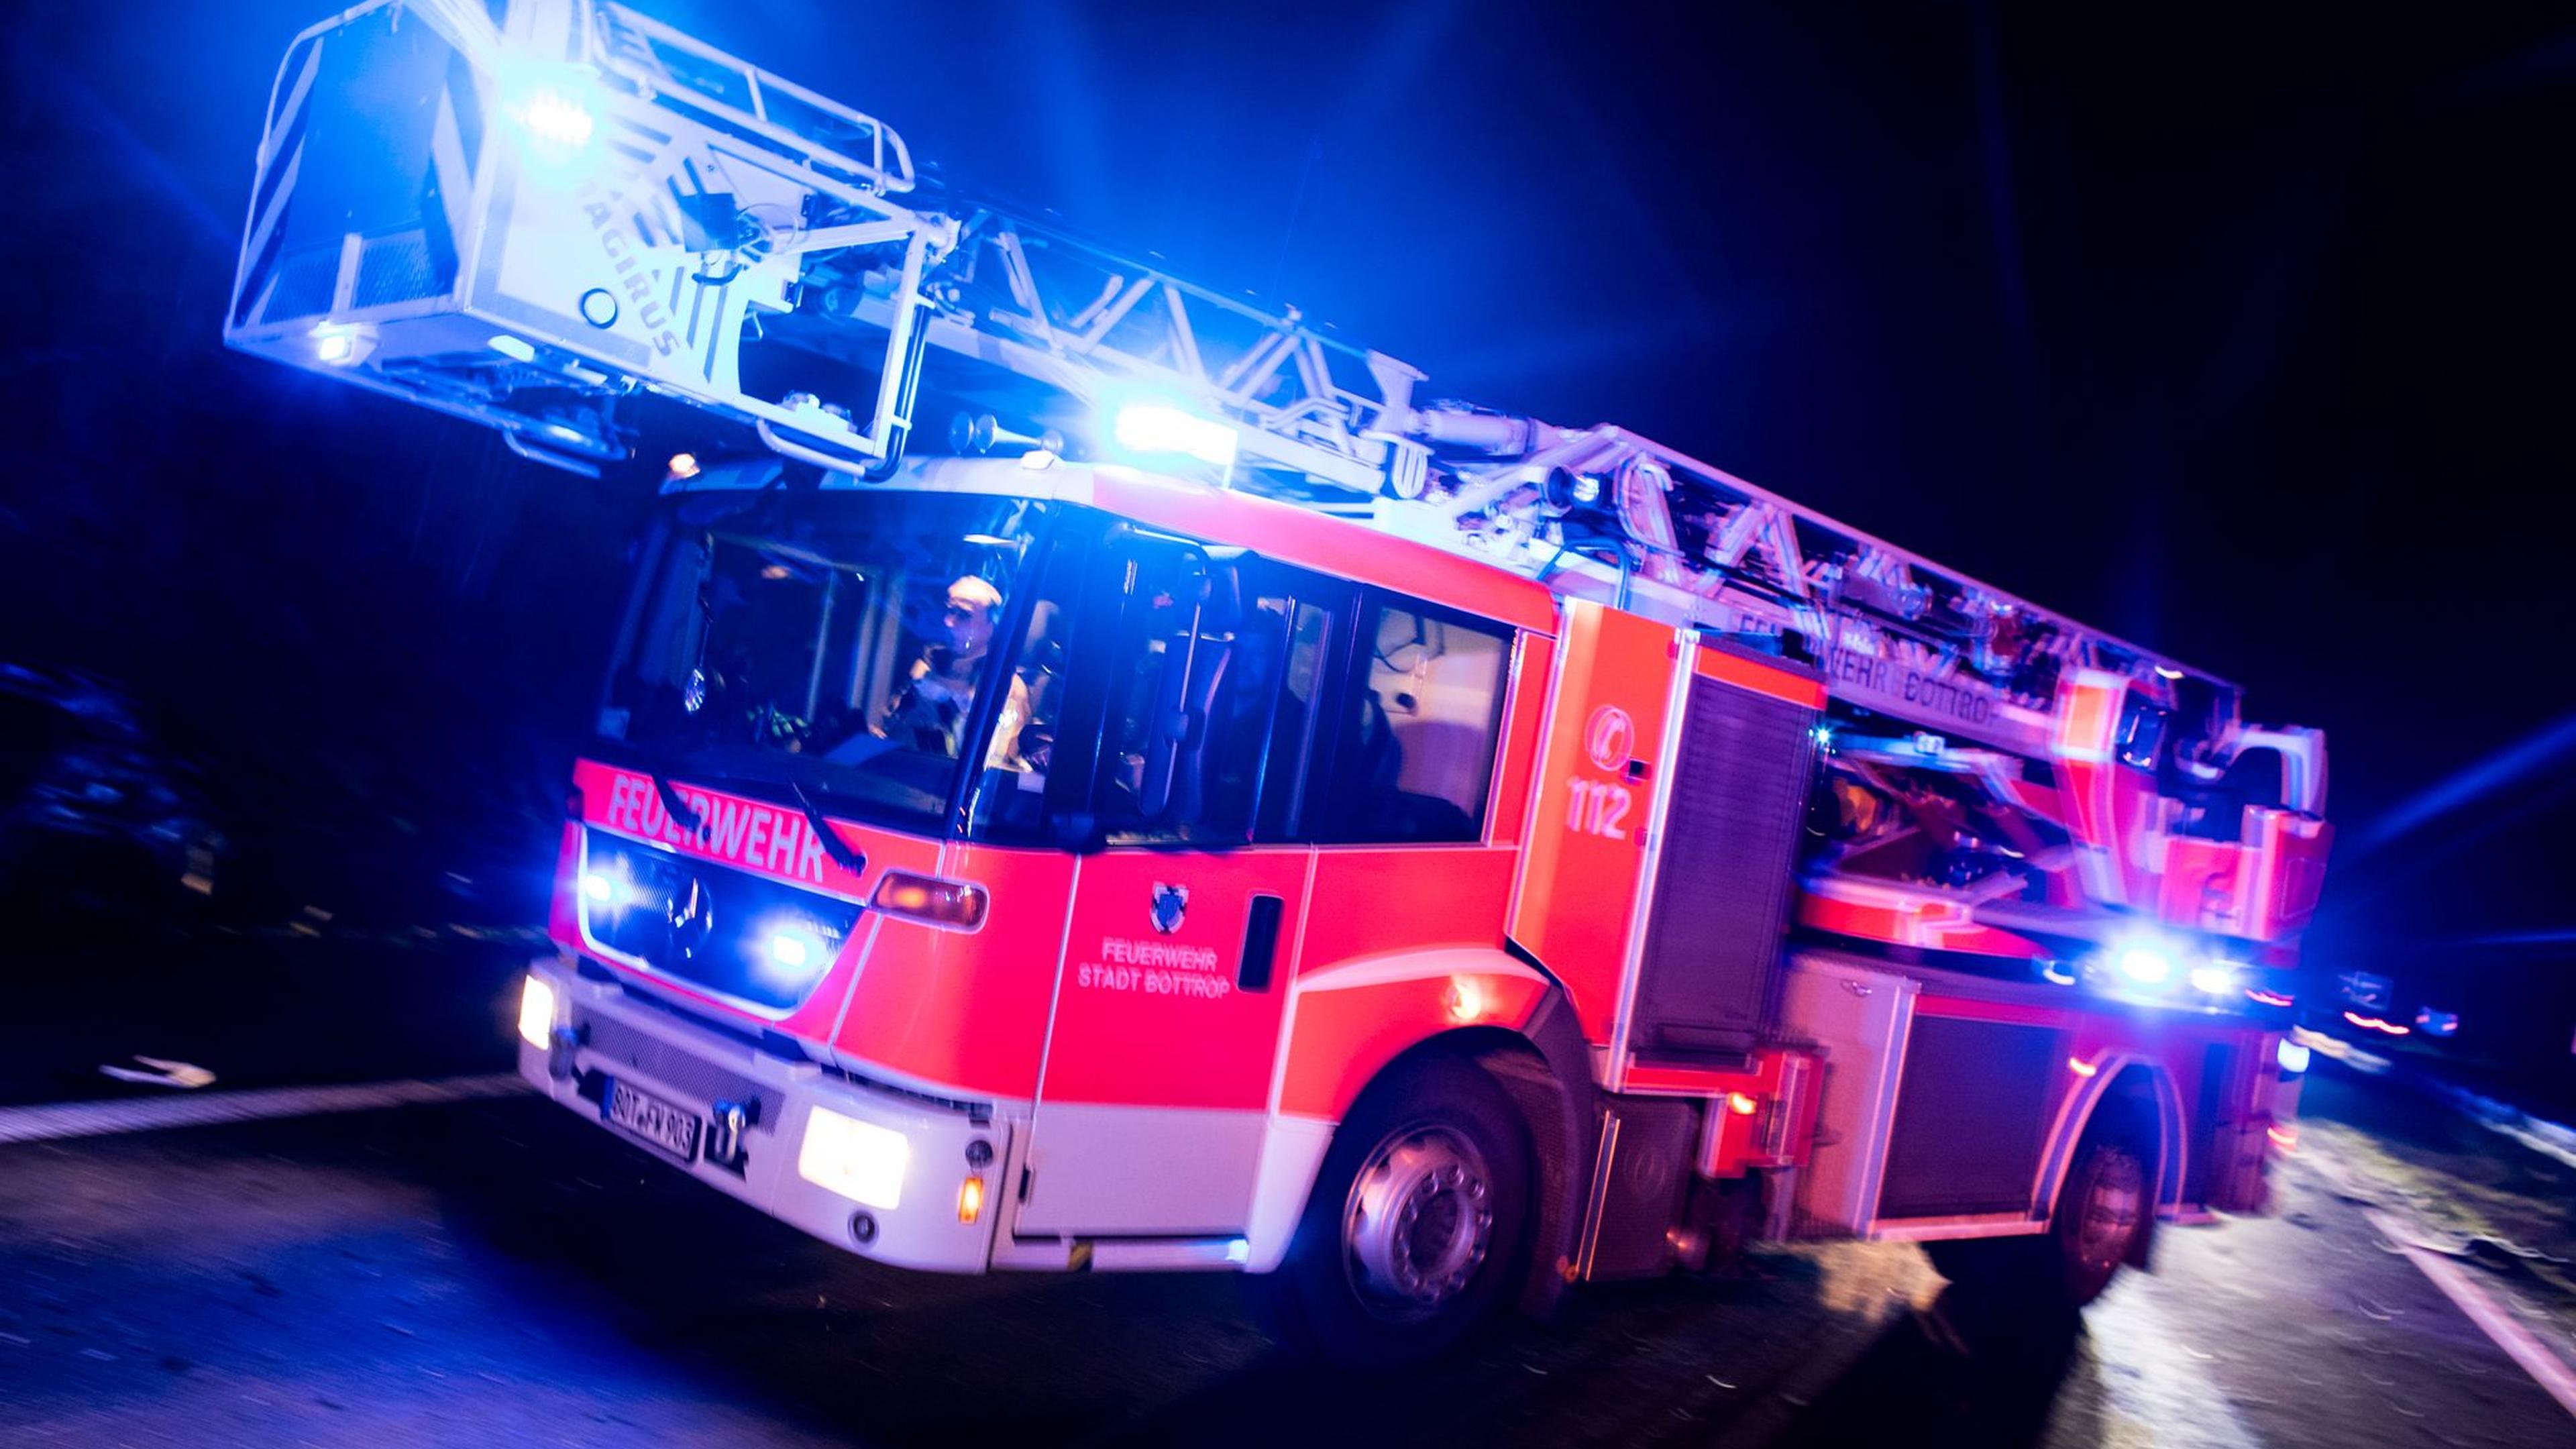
column 2238, row 333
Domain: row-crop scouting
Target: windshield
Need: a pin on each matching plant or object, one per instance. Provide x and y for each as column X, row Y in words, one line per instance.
column 838, row 642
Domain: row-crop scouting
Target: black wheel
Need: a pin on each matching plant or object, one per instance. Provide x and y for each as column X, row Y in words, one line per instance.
column 2104, row 1209
column 1416, row 1229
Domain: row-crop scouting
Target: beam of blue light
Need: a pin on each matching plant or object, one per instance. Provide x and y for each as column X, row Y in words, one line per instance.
column 2498, row 770
column 2564, row 936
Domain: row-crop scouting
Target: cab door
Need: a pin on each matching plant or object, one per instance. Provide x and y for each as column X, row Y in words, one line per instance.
column 1187, row 913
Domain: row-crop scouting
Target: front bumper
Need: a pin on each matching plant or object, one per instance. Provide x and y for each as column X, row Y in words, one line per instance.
column 614, row 1036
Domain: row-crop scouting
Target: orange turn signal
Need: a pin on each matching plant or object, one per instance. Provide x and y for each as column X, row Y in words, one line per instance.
column 953, row 905
column 1743, row 1104
column 970, row 1200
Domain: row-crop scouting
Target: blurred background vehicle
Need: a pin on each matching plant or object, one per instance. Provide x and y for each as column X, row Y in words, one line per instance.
column 97, row 816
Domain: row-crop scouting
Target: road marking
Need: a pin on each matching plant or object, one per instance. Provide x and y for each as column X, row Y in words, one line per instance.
column 207, row 1109
column 2517, row 1341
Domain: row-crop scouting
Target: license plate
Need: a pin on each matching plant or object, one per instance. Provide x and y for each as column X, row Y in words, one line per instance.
column 671, row 1128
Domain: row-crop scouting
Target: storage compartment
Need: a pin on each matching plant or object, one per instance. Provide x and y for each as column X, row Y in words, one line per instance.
column 1740, row 772
column 1971, row 1118
column 1856, row 1018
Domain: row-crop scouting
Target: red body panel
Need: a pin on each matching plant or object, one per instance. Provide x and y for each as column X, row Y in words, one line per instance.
column 1330, row 545
column 563, row 910
column 1533, row 669
column 1154, row 1018
column 1731, row 1143
column 1761, row 678
column 1578, row 886
column 1344, row 1037
column 1928, row 918
column 967, row 1010
column 1404, row 898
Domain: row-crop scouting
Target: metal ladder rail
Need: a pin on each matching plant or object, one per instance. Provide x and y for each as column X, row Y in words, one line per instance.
column 733, row 94
column 1295, row 397
column 1759, row 520
column 1082, row 319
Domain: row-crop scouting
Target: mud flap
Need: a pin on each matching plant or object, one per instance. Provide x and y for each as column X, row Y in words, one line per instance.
column 1554, row 1095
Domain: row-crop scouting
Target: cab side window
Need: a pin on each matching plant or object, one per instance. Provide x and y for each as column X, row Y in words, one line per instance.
column 1013, row 791
column 1212, row 718
column 1413, row 751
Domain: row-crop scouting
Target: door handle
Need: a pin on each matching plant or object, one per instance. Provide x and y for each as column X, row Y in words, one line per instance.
column 1260, row 943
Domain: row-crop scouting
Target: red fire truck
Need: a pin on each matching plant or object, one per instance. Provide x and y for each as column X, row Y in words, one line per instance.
column 1215, row 810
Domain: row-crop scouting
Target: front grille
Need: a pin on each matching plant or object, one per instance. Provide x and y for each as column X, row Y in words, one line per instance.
column 614, row 1045
column 732, row 932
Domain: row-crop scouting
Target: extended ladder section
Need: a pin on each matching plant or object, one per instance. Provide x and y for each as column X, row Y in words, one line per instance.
column 531, row 221
column 524, row 223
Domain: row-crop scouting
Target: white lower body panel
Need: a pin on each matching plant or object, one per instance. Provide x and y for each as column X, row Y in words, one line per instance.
column 920, row 1231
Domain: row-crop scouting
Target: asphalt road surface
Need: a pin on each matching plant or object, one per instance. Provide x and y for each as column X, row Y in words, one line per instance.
column 498, row 1272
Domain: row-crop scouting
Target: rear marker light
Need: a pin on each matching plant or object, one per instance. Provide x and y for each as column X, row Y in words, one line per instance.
column 1743, row 1104
column 953, row 905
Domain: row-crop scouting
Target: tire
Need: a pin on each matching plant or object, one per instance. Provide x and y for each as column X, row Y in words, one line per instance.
column 1417, row 1228
column 2105, row 1210
column 2104, row 1214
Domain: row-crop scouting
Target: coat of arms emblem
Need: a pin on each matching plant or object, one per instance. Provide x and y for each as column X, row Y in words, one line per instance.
column 1169, row 902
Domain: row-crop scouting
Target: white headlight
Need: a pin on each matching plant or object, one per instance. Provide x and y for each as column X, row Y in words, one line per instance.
column 859, row 1160
column 536, row 1012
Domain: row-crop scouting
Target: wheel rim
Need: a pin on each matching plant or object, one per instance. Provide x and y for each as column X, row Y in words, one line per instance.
column 2112, row 1203
column 1419, row 1222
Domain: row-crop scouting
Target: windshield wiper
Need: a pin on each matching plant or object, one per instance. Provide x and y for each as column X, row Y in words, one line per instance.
column 833, row 845
column 688, row 819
